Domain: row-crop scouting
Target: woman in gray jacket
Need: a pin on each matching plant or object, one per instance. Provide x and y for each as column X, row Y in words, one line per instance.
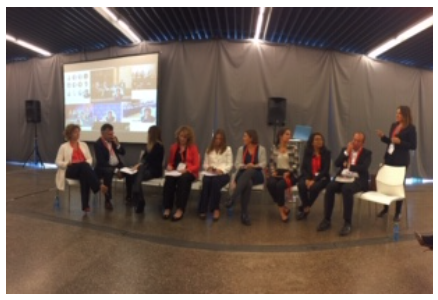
column 250, row 162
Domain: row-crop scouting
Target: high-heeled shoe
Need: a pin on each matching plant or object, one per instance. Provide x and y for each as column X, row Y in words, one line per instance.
column 302, row 215
column 216, row 215
column 229, row 203
column 245, row 220
column 166, row 214
column 176, row 219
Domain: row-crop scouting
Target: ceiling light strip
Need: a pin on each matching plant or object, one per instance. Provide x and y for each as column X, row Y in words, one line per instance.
column 27, row 45
column 118, row 23
column 410, row 32
column 259, row 24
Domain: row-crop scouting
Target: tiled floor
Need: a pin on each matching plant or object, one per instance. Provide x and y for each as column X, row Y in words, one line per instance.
column 56, row 249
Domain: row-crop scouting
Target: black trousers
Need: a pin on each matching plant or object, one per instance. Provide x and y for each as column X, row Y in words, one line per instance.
column 107, row 174
column 276, row 187
column 211, row 192
column 243, row 188
column 143, row 174
column 347, row 190
column 181, row 186
column 308, row 196
column 87, row 179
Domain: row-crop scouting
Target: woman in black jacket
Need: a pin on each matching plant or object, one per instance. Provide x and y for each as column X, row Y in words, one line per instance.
column 402, row 138
column 315, row 173
column 151, row 166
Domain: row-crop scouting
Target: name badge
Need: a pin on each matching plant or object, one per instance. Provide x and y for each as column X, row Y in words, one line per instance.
column 181, row 167
column 391, row 149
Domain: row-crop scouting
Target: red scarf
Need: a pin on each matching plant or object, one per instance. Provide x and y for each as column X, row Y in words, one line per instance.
column 397, row 130
column 252, row 157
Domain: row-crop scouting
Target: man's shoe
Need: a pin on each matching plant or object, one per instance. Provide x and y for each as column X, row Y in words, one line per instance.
column 108, row 205
column 245, row 220
column 324, row 225
column 397, row 217
column 346, row 229
column 382, row 213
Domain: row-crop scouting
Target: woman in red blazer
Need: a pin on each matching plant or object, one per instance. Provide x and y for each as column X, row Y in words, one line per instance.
column 182, row 169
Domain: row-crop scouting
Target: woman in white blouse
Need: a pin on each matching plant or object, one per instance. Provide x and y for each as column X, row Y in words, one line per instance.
column 218, row 162
column 74, row 162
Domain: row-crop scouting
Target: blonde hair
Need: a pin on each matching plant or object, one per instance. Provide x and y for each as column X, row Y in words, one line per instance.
column 68, row 131
column 189, row 133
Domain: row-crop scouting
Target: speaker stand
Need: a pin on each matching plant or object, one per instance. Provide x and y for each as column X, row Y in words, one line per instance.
column 35, row 152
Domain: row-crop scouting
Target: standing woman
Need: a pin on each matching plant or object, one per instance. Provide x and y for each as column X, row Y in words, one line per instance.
column 184, row 159
column 283, row 165
column 402, row 138
column 151, row 166
column 218, row 162
column 315, row 173
column 74, row 161
column 250, row 162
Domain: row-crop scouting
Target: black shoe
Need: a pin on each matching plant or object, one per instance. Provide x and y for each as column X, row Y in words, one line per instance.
column 397, row 217
column 108, row 205
column 324, row 225
column 230, row 203
column 382, row 213
column 346, row 229
column 128, row 201
column 139, row 209
column 302, row 215
column 202, row 216
column 245, row 220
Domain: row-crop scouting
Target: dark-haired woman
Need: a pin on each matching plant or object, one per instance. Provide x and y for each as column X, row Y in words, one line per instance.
column 315, row 173
column 218, row 162
column 283, row 171
column 250, row 162
column 150, row 166
column 402, row 138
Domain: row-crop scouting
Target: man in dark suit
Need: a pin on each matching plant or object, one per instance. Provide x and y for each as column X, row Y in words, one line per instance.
column 108, row 150
column 353, row 163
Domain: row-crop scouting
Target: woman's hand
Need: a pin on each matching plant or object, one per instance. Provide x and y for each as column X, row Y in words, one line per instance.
column 395, row 140
column 380, row 133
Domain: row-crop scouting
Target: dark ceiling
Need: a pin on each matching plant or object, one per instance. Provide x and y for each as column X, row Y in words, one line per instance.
column 351, row 30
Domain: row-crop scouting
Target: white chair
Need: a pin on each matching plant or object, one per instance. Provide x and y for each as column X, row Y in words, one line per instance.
column 390, row 187
column 69, row 183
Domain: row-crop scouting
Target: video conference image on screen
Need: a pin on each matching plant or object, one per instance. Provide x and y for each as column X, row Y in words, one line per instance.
column 119, row 91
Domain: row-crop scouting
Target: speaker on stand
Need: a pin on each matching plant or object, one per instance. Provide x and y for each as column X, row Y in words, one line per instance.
column 276, row 113
column 33, row 116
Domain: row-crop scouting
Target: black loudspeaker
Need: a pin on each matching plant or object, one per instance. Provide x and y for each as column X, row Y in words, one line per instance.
column 277, row 111
column 33, row 111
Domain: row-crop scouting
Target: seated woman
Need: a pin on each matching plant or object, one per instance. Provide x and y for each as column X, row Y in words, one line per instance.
column 218, row 162
column 283, row 171
column 151, row 166
column 315, row 173
column 184, row 159
column 250, row 162
column 74, row 162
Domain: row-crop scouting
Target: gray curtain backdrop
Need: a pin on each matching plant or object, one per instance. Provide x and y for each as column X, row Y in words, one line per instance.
column 222, row 84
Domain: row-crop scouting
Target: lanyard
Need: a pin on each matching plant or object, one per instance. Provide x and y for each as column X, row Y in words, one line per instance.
column 252, row 157
column 397, row 130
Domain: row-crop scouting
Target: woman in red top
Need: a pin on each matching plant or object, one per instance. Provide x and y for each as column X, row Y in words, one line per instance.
column 315, row 173
column 182, row 169
column 74, row 161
